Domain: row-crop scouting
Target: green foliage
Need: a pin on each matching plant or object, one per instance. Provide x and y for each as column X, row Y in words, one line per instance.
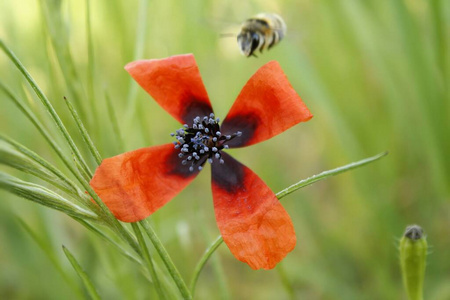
column 44, row 196
column 84, row 277
column 375, row 74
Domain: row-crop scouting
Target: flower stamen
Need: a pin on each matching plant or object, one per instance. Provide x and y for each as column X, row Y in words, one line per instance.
column 201, row 142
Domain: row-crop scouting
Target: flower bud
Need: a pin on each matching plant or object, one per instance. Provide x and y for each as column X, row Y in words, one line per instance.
column 413, row 252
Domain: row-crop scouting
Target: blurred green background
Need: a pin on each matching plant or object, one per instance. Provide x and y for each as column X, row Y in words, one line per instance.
column 375, row 74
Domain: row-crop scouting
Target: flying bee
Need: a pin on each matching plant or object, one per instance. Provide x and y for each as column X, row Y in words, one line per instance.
column 263, row 31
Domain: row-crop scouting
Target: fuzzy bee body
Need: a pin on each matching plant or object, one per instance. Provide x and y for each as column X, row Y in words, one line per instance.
column 261, row 32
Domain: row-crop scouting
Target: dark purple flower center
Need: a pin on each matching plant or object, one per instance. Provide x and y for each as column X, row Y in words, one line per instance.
column 201, row 142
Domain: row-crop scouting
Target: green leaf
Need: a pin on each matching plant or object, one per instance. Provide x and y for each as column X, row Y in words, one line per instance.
column 329, row 173
column 79, row 160
column 46, row 171
column 40, row 127
column 44, row 196
column 11, row 157
column 84, row 133
column 48, row 106
column 84, row 277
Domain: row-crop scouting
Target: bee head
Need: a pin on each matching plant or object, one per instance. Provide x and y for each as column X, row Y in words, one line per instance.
column 248, row 42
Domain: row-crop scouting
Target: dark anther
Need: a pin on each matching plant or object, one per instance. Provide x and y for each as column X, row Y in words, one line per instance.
column 202, row 142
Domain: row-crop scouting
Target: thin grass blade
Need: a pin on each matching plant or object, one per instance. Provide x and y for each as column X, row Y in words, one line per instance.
column 138, row 51
column 84, row 181
column 58, row 32
column 91, row 66
column 48, row 106
column 39, row 126
column 148, row 260
column 205, row 257
column 84, row 277
column 185, row 293
column 17, row 156
column 84, row 134
column 329, row 173
column 73, row 168
column 114, row 124
column 98, row 232
column 46, row 247
column 44, row 196
column 223, row 288
column 287, row 284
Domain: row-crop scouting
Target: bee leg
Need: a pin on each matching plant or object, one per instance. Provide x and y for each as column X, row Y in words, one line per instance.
column 275, row 38
column 262, row 46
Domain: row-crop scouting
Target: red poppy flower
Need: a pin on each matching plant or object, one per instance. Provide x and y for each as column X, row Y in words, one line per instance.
column 253, row 224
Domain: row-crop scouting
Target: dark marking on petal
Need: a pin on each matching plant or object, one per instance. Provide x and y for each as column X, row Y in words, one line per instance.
column 228, row 176
column 175, row 167
column 196, row 107
column 246, row 123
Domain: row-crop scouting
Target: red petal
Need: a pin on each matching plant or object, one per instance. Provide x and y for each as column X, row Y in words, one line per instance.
column 266, row 106
column 252, row 221
column 135, row 184
column 175, row 83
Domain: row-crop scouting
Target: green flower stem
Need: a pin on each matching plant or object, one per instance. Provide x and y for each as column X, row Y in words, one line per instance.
column 84, row 277
column 111, row 219
column 81, row 171
column 223, row 291
column 285, row 281
column 211, row 249
column 109, row 240
column 148, row 260
column 281, row 194
column 176, row 276
column 329, row 173
column 46, row 104
column 84, row 133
